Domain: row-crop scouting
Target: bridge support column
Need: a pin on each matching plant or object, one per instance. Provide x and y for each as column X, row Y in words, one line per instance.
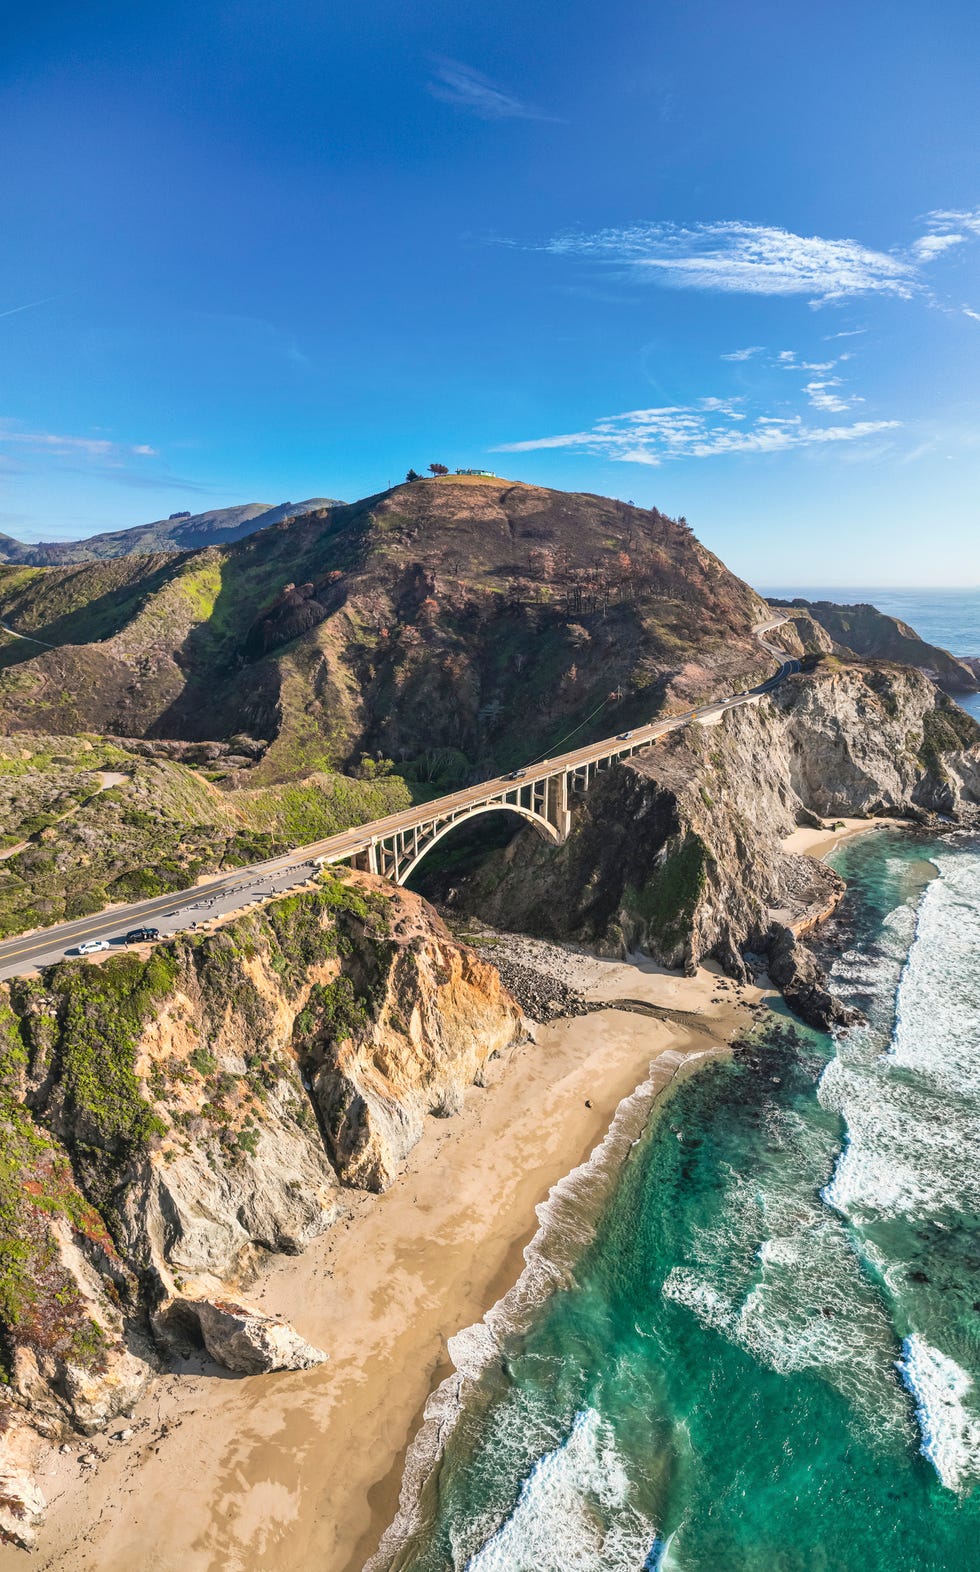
column 366, row 861
column 557, row 811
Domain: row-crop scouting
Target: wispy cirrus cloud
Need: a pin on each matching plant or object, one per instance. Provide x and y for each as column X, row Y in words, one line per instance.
column 13, row 311
column 825, row 395
column 745, row 354
column 123, row 463
column 953, row 221
column 58, row 445
column 465, row 88
column 736, row 257
column 705, row 429
column 742, row 258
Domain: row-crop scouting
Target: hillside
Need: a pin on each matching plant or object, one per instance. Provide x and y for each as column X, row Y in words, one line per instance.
column 865, row 631
column 180, row 532
column 451, row 626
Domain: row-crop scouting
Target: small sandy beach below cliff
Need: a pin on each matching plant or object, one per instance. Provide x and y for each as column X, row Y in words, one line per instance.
column 300, row 1472
column 821, row 842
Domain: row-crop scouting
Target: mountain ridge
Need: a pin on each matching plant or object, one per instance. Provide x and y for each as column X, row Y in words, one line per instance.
column 179, row 532
column 480, row 620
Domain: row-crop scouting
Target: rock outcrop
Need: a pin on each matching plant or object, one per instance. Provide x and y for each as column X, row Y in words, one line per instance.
column 22, row 1502
column 679, row 851
column 236, row 1333
column 864, row 631
column 164, row 1122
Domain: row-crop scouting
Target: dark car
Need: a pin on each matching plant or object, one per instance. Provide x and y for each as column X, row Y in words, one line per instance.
column 141, row 935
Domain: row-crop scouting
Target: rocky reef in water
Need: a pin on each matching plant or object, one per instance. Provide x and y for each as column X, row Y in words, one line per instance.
column 168, row 1121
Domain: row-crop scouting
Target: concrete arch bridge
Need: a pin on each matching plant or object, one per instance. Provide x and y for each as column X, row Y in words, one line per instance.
column 541, row 794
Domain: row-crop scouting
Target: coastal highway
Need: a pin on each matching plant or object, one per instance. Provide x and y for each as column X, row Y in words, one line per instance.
column 234, row 891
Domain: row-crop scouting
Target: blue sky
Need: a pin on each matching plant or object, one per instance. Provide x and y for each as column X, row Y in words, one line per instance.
column 724, row 259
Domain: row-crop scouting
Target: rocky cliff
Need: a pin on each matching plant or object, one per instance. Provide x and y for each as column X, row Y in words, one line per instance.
column 167, row 1120
column 865, row 631
column 678, row 852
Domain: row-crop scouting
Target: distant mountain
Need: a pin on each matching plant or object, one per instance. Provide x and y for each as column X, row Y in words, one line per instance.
column 180, row 532
column 865, row 631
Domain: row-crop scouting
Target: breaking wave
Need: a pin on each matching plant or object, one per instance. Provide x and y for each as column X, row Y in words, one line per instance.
column 566, row 1222
column 950, row 1432
column 573, row 1513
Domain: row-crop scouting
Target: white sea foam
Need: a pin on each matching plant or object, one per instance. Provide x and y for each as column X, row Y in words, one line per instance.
column 796, row 1298
column 938, row 1025
column 566, row 1222
column 911, row 1113
column 904, row 1144
column 950, row 1431
column 573, row 1513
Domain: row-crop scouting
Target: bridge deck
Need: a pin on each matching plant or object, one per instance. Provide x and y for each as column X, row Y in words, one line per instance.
column 230, row 892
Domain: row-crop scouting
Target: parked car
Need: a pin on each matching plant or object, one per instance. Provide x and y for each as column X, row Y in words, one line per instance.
column 141, row 935
column 92, row 946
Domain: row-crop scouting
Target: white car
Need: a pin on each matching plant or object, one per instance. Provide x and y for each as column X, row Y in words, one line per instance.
column 93, row 946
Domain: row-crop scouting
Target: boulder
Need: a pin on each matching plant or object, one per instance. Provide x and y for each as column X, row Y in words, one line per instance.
column 237, row 1334
column 22, row 1503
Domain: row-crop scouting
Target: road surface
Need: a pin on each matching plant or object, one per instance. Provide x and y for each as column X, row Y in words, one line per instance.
column 232, row 892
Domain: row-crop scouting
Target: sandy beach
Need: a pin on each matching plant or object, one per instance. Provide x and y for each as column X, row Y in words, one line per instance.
column 302, row 1470
column 820, row 843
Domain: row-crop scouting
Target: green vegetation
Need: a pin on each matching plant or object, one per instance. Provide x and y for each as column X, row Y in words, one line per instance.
column 160, row 830
column 323, row 805
column 945, row 729
column 666, row 903
column 333, row 1011
column 101, row 1011
column 40, row 1304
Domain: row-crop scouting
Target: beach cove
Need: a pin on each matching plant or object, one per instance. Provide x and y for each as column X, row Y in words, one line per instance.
column 303, row 1469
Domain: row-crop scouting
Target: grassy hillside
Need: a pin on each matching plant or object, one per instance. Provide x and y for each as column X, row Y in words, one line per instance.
column 453, row 627
column 85, row 822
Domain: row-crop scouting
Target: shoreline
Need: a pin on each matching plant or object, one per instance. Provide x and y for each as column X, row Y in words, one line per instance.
column 283, row 1472
column 567, row 1222
column 820, row 843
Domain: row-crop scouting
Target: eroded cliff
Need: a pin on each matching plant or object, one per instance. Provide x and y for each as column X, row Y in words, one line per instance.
column 679, row 851
column 167, row 1119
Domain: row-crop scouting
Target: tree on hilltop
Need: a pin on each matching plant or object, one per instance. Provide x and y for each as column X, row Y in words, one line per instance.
column 439, row 469
column 413, row 474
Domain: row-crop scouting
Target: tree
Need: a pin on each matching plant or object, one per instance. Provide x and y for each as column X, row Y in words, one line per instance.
column 413, row 475
column 541, row 564
column 439, row 469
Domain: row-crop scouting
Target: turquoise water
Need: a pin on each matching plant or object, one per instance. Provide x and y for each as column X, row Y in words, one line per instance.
column 765, row 1359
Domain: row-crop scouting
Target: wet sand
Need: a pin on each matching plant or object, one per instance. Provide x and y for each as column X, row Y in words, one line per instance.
column 299, row 1472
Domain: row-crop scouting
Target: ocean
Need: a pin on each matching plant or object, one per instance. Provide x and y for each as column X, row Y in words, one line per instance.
column 947, row 617
column 766, row 1356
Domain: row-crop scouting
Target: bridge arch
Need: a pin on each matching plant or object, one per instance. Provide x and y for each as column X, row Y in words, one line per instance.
column 544, row 828
column 397, row 855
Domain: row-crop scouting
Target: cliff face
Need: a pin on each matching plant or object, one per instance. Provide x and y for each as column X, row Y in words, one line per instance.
column 865, row 631
column 164, row 1121
column 678, row 852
